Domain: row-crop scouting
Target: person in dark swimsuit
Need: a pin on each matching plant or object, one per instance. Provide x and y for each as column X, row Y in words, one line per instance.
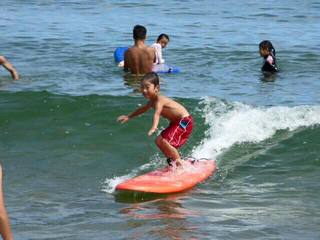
column 268, row 52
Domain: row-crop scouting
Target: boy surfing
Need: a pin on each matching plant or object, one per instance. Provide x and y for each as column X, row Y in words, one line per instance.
column 181, row 122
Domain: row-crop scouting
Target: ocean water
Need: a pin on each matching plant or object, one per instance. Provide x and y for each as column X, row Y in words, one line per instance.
column 63, row 152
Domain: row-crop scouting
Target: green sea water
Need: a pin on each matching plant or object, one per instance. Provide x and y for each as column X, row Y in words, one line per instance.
column 63, row 156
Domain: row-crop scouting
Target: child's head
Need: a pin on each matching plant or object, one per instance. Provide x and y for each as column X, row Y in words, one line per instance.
column 150, row 85
column 163, row 40
column 152, row 78
column 266, row 48
column 139, row 32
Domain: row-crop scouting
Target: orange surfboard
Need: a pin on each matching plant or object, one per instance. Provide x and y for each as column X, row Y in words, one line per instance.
column 171, row 179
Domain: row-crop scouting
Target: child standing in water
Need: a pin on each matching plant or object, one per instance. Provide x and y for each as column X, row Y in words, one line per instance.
column 162, row 42
column 268, row 52
column 181, row 122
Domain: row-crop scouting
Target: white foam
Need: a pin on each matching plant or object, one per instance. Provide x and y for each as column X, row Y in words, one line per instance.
column 111, row 183
column 239, row 123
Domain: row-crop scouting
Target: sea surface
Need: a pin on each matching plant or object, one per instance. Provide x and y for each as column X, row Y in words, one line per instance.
column 63, row 152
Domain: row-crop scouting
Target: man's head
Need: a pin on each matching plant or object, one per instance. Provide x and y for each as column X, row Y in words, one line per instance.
column 139, row 32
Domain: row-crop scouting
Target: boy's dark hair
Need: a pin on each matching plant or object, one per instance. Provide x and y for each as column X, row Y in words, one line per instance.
column 266, row 44
column 139, row 32
column 152, row 77
column 163, row 35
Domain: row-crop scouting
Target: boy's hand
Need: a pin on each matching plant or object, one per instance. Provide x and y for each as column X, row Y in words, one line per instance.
column 151, row 131
column 123, row 118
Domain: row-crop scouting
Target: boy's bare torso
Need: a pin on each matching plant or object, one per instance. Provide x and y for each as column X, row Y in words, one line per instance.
column 171, row 110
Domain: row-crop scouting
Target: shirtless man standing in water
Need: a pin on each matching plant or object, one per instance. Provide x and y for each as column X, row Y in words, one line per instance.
column 139, row 58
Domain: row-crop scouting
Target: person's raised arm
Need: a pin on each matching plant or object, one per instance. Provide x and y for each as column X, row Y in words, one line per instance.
column 5, row 229
column 140, row 110
column 7, row 65
column 156, row 117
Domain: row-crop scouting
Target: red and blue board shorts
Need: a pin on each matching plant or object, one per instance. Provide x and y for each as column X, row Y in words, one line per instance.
column 177, row 133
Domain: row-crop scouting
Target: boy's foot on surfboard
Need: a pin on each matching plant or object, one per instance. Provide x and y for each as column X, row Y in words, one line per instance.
column 169, row 161
column 176, row 163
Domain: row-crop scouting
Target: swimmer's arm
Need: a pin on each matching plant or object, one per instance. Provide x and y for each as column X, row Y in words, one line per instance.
column 137, row 112
column 7, row 65
column 156, row 118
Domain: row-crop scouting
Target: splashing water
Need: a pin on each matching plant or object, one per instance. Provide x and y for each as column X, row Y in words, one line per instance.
column 111, row 183
column 239, row 123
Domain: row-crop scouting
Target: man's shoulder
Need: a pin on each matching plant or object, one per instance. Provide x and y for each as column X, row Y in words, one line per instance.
column 150, row 50
column 135, row 49
column 130, row 49
column 140, row 51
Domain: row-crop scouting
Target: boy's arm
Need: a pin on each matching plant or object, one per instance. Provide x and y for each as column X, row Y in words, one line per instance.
column 140, row 110
column 156, row 118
